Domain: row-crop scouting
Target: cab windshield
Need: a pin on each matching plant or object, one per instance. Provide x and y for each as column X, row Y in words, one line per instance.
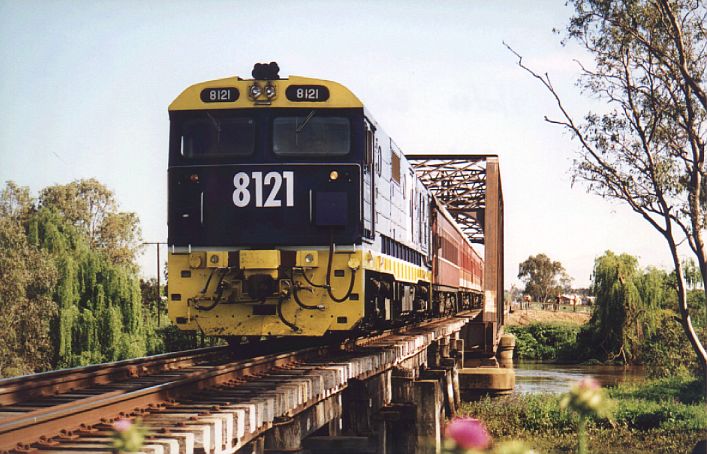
column 311, row 135
column 216, row 136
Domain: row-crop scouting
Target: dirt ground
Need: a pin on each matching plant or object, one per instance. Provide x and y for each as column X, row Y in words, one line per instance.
column 524, row 317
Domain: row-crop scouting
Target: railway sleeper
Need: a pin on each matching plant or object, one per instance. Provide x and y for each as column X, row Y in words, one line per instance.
column 306, row 397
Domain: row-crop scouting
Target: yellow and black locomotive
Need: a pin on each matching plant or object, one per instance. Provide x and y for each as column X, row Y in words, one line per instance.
column 291, row 212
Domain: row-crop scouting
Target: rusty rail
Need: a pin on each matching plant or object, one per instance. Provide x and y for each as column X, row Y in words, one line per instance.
column 20, row 389
column 214, row 408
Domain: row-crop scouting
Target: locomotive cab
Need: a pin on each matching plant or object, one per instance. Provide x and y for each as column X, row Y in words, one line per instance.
column 266, row 176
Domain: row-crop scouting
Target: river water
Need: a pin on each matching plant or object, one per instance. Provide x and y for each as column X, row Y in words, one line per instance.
column 538, row 377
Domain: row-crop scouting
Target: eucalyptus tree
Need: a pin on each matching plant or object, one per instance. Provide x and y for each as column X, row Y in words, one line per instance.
column 27, row 279
column 92, row 208
column 543, row 277
column 647, row 148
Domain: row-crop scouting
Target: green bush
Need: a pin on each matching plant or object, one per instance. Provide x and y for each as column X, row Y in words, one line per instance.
column 533, row 412
column 542, row 341
column 667, row 351
column 681, row 389
column 667, row 415
column 175, row 340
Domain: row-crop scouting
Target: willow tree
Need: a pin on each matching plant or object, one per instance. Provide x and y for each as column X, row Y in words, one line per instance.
column 627, row 308
column 647, row 147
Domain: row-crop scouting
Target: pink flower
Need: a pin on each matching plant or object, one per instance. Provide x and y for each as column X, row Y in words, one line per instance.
column 468, row 433
column 122, row 425
column 588, row 383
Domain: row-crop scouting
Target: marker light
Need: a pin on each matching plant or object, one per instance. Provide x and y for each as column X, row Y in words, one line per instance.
column 194, row 178
column 333, row 175
column 255, row 91
column 309, row 258
column 270, row 91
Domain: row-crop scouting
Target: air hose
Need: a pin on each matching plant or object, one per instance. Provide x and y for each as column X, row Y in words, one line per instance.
column 328, row 275
column 295, row 294
column 327, row 284
column 208, row 281
column 306, row 278
column 219, row 291
column 292, row 326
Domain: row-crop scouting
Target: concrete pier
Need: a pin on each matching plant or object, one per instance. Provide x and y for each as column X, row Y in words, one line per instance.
column 506, row 345
column 478, row 381
column 488, row 375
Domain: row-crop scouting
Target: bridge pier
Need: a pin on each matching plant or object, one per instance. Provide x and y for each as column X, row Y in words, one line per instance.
column 287, row 433
column 488, row 372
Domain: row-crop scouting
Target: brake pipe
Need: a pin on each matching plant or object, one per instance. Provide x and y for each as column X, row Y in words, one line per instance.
column 295, row 295
column 328, row 275
column 291, row 325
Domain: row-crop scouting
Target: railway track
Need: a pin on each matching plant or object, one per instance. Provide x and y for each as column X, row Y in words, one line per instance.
column 198, row 401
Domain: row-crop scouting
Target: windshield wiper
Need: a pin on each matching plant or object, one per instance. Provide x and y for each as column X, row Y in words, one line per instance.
column 217, row 124
column 300, row 127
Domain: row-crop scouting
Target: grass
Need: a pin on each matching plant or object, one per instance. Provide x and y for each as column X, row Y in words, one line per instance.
column 666, row 415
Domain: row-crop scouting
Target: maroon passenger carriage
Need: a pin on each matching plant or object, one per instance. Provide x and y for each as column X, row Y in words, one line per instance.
column 457, row 268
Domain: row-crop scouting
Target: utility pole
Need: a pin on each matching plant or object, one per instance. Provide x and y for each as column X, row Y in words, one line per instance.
column 159, row 272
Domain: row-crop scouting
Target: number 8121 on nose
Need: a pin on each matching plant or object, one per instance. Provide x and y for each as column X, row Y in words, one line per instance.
column 263, row 190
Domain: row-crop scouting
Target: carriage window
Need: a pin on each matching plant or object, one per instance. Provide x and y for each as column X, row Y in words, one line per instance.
column 210, row 136
column 310, row 135
column 395, row 164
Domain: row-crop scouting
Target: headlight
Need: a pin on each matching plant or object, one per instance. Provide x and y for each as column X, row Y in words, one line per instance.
column 270, row 91
column 255, row 91
column 333, row 175
column 309, row 258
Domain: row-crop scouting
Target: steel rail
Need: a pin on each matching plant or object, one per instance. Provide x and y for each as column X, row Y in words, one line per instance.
column 62, row 419
column 19, row 389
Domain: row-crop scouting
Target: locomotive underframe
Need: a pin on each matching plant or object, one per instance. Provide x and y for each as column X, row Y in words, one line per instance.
column 218, row 300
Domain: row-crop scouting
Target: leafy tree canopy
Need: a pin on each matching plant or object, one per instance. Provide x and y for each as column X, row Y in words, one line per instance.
column 543, row 277
column 27, row 278
column 91, row 207
column 69, row 292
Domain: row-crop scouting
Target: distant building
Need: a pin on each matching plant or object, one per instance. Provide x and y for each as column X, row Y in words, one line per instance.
column 571, row 299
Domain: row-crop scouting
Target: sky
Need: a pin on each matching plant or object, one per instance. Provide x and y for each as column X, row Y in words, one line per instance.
column 84, row 90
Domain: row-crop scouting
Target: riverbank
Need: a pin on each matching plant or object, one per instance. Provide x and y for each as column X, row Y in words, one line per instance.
column 666, row 416
column 525, row 317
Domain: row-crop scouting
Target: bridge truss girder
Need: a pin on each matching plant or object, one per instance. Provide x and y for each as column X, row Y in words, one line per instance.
column 459, row 182
column 470, row 188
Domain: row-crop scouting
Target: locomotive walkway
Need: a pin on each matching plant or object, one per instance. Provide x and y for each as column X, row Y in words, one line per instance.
column 392, row 390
